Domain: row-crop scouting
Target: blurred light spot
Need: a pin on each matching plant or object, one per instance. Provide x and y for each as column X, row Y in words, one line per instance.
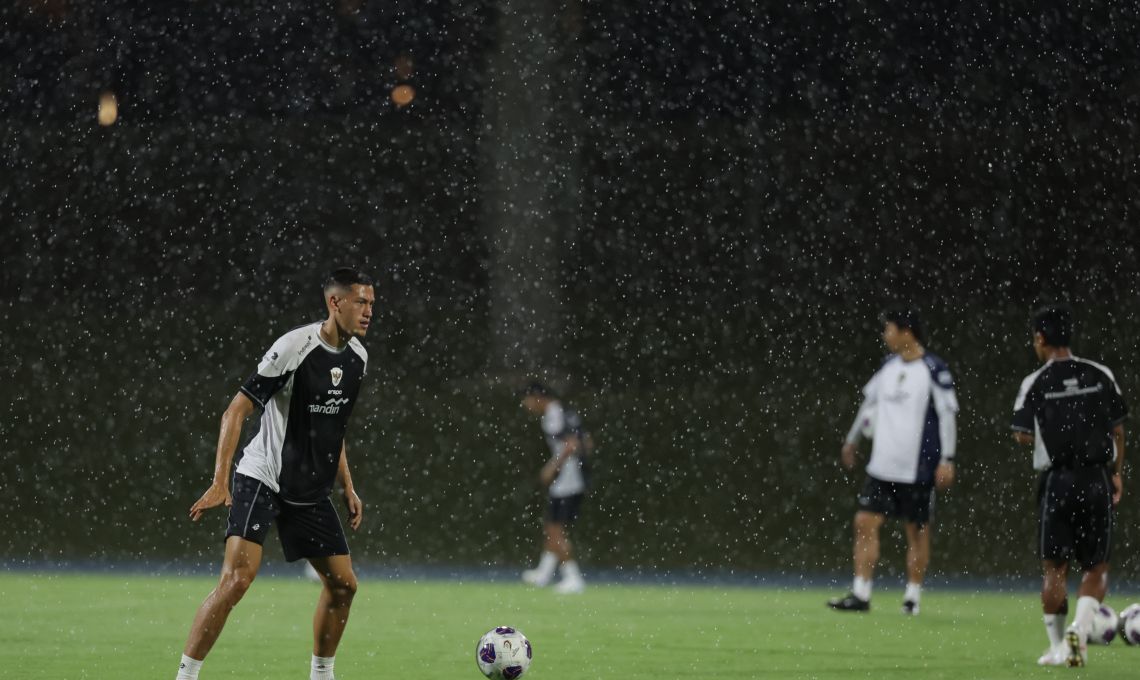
column 108, row 109
column 402, row 95
column 405, row 67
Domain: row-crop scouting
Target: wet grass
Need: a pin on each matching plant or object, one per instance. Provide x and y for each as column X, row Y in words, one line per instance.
column 66, row 626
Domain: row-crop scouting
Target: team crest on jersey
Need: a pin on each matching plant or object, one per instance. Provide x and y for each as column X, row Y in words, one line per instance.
column 337, row 374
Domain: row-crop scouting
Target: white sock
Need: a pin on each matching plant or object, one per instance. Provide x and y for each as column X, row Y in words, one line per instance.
column 547, row 564
column 1055, row 629
column 913, row 592
column 322, row 668
column 861, row 588
column 188, row 668
column 570, row 571
column 1082, row 620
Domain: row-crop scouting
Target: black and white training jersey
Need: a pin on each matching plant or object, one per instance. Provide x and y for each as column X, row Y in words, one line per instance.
column 1070, row 406
column 910, row 410
column 560, row 424
column 307, row 389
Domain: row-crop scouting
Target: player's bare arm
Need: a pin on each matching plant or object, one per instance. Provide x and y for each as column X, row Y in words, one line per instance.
column 944, row 475
column 1118, row 472
column 1023, row 438
column 351, row 500
column 550, row 470
column 219, row 492
column 847, row 455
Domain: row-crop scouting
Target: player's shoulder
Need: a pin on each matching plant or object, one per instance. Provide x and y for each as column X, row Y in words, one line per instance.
column 358, row 348
column 1030, row 380
column 1088, row 364
column 939, row 369
column 889, row 359
column 299, row 340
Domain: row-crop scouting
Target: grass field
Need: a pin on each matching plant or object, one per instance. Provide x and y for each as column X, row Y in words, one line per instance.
column 65, row 626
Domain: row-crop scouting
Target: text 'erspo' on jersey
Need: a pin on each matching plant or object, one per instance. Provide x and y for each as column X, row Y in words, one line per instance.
column 1070, row 406
column 910, row 410
column 307, row 389
column 559, row 424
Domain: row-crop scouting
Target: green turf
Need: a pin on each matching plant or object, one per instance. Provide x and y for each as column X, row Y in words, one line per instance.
column 66, row 626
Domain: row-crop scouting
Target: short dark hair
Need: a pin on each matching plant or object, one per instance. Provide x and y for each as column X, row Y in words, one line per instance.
column 906, row 319
column 346, row 277
column 1055, row 324
column 536, row 389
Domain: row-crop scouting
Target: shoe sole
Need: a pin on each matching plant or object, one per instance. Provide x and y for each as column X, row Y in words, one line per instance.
column 1075, row 660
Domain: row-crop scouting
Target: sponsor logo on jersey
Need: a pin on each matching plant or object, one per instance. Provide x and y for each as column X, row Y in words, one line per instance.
column 337, row 374
column 330, row 408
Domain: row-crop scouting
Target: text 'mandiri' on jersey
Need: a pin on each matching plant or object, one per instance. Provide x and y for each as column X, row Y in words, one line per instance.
column 1070, row 406
column 910, row 410
column 560, row 424
column 306, row 388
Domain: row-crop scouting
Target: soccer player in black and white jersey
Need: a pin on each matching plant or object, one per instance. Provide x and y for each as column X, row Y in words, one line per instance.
column 306, row 386
column 1072, row 413
column 565, row 476
column 910, row 410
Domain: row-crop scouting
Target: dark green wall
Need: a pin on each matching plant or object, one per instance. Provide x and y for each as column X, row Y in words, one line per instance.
column 721, row 298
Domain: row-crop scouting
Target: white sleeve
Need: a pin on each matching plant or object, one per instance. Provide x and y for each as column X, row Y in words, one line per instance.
column 946, row 406
column 864, row 425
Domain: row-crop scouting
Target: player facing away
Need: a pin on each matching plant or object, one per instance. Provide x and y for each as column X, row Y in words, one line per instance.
column 306, row 385
column 910, row 411
column 566, row 477
column 1072, row 413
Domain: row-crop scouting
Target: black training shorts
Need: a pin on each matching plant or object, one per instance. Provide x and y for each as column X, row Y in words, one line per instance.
column 564, row 510
column 1075, row 515
column 911, row 502
column 304, row 530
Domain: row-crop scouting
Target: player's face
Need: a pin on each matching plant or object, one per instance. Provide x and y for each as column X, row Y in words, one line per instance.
column 1039, row 347
column 892, row 337
column 532, row 404
column 353, row 312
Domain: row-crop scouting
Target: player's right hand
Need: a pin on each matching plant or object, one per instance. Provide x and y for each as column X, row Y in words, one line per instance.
column 847, row 456
column 216, row 495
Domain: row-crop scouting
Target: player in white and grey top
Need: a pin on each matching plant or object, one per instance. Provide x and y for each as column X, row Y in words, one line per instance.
column 910, row 411
column 566, row 476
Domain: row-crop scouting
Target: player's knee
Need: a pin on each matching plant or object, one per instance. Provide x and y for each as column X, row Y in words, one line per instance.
column 234, row 584
column 343, row 591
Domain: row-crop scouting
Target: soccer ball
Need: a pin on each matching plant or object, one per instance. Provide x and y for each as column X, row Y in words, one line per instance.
column 1103, row 628
column 503, row 653
column 1129, row 625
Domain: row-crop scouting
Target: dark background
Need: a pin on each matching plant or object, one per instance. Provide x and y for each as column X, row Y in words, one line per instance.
column 728, row 195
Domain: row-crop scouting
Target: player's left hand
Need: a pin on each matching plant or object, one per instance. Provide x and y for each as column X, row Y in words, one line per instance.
column 1117, row 488
column 944, row 476
column 355, row 508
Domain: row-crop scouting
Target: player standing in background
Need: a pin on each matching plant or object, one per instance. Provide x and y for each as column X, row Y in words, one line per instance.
column 1071, row 411
column 910, row 406
column 306, row 386
column 566, row 477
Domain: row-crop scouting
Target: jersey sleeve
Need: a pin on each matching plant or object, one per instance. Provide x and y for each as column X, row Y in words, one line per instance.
column 945, row 401
column 273, row 371
column 1024, row 406
column 1117, row 407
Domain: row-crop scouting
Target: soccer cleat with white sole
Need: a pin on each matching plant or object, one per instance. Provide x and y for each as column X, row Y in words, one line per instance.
column 1077, row 650
column 910, row 608
column 571, row 586
column 1054, row 656
column 535, row 577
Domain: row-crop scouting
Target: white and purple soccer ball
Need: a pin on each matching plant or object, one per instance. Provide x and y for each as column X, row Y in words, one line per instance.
column 504, row 653
column 1129, row 624
column 1103, row 628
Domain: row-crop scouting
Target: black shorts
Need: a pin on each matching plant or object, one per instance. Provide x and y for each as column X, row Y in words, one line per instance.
column 304, row 530
column 911, row 502
column 564, row 510
column 1076, row 516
